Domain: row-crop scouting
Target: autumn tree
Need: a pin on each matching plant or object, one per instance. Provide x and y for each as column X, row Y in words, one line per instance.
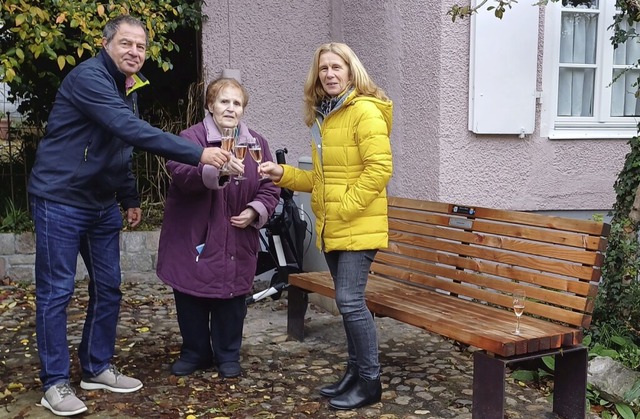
column 41, row 40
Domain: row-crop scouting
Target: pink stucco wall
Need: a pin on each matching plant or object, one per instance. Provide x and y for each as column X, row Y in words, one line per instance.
column 414, row 51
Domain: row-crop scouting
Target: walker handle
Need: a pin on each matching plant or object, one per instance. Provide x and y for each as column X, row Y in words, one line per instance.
column 280, row 159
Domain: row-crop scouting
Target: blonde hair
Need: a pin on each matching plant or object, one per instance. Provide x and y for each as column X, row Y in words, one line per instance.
column 359, row 79
column 214, row 88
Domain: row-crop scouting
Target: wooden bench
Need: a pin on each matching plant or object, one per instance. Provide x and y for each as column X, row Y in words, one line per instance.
column 451, row 269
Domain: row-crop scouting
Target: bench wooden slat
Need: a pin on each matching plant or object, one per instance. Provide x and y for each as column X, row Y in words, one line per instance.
column 530, row 219
column 451, row 317
column 490, row 268
column 565, row 308
column 580, row 271
column 534, row 248
column 566, row 238
column 472, row 279
column 480, row 295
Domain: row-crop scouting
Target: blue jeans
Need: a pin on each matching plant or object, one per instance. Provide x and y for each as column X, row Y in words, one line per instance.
column 349, row 270
column 63, row 231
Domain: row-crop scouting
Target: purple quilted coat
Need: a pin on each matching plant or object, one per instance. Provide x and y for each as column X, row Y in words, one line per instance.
column 199, row 205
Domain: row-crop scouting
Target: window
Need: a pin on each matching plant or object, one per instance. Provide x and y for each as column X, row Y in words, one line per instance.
column 586, row 91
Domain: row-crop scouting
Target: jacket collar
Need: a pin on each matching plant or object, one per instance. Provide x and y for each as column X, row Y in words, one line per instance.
column 117, row 75
column 213, row 133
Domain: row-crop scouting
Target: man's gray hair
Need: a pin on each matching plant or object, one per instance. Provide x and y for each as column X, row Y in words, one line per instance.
column 112, row 26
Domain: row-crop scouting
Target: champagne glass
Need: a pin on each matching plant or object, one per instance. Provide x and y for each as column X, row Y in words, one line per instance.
column 519, row 297
column 228, row 138
column 240, row 151
column 255, row 151
column 228, row 141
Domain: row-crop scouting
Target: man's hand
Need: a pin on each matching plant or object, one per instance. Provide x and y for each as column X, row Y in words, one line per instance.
column 215, row 156
column 134, row 216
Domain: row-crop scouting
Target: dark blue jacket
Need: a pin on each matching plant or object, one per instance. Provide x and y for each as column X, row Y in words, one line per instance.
column 84, row 159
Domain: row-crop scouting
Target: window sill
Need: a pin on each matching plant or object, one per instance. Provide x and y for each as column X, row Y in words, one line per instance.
column 592, row 132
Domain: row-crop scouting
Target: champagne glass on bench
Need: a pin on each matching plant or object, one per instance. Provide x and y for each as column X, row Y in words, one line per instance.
column 519, row 297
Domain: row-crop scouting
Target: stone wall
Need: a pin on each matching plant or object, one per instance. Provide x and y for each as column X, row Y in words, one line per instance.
column 138, row 255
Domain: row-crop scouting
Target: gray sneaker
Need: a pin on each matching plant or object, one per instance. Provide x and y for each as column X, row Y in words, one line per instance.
column 62, row 401
column 111, row 379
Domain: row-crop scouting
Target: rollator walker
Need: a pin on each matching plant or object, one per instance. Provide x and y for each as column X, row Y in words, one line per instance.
column 283, row 240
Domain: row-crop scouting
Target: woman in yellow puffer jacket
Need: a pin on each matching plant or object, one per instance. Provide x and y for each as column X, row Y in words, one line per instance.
column 350, row 120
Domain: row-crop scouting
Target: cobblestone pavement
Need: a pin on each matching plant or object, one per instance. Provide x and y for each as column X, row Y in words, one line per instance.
column 423, row 375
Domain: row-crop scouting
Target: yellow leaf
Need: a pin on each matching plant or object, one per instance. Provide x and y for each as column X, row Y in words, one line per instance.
column 20, row 19
column 191, row 417
column 61, row 18
column 39, row 13
column 9, row 74
column 71, row 60
column 61, row 61
column 15, row 386
column 24, row 341
column 143, row 329
column 100, row 10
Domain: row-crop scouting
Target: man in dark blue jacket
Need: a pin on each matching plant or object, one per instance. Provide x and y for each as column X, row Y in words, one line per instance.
column 82, row 172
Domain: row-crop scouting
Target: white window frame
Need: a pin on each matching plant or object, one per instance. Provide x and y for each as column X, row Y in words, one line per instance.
column 601, row 125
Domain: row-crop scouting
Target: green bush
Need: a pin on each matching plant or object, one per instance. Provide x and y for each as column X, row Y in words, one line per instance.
column 15, row 220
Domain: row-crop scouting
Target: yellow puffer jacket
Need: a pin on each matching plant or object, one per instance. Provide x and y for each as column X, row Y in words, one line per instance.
column 348, row 187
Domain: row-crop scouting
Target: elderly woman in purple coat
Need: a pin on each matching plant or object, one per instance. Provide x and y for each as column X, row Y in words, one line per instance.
column 210, row 241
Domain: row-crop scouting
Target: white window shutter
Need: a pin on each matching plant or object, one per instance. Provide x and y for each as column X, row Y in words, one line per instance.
column 502, row 71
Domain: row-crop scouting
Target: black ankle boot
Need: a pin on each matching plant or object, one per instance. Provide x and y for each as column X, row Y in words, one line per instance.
column 348, row 380
column 363, row 393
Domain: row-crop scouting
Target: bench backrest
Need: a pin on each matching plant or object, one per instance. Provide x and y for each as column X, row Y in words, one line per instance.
column 483, row 254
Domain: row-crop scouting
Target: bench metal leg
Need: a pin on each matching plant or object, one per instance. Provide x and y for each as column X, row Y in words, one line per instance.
column 489, row 376
column 296, row 310
column 570, row 384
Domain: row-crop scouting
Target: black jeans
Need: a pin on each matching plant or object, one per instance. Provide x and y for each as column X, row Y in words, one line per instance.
column 211, row 328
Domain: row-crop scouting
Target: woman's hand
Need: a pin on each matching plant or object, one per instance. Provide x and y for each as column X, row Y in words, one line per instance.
column 271, row 169
column 235, row 166
column 245, row 218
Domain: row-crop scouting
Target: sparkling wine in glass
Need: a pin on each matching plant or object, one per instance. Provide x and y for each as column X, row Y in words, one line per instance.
column 519, row 297
column 228, row 138
column 240, row 151
column 228, row 141
column 255, row 151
